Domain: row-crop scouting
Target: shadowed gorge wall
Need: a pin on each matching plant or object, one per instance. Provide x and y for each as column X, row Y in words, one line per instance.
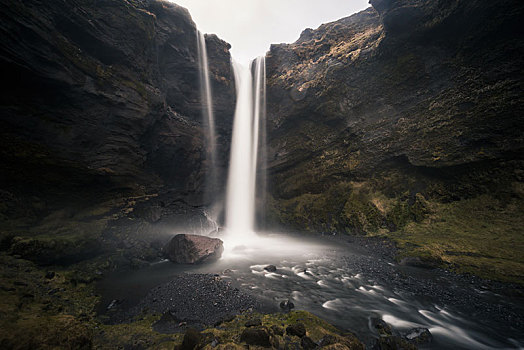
column 397, row 118
column 101, row 99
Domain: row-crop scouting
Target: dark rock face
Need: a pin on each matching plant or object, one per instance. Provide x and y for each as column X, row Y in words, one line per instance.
column 381, row 326
column 255, row 336
column 99, row 107
column 297, row 329
column 270, row 268
column 193, row 249
column 377, row 119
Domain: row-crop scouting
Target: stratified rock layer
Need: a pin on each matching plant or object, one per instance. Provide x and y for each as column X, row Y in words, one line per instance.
column 407, row 112
column 102, row 98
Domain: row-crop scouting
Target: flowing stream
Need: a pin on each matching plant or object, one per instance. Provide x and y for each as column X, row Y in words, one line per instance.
column 348, row 285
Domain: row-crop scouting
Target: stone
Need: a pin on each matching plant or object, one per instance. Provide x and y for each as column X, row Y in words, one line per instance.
column 287, row 305
column 270, row 268
column 418, row 336
column 328, row 339
column 296, row 329
column 193, row 249
column 255, row 336
column 307, row 343
column 381, row 326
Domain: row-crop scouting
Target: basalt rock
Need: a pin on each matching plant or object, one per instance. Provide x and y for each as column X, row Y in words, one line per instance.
column 255, row 336
column 193, row 249
column 296, row 329
column 97, row 108
column 418, row 336
column 374, row 116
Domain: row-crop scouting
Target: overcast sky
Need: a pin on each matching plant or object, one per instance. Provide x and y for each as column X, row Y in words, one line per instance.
column 250, row 26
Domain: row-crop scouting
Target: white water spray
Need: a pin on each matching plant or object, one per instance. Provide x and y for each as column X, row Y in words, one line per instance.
column 206, row 95
column 241, row 188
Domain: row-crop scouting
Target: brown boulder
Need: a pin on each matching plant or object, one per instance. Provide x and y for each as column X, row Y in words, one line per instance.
column 193, row 249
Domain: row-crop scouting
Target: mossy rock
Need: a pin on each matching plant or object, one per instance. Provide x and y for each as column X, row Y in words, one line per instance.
column 234, row 333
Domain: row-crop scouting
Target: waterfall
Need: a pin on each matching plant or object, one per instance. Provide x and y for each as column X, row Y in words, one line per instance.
column 206, row 96
column 242, row 180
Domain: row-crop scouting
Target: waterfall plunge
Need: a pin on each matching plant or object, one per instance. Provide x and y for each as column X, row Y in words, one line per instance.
column 241, row 187
column 211, row 187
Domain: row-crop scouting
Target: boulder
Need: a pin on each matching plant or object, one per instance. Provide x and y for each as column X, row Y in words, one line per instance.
column 270, row 268
column 255, row 336
column 193, row 249
column 418, row 336
column 381, row 326
column 297, row 329
column 287, row 305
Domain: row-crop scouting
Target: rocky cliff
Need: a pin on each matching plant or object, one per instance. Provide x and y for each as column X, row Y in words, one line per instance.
column 405, row 120
column 101, row 105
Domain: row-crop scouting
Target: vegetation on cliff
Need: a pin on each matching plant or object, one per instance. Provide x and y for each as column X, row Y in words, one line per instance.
column 405, row 120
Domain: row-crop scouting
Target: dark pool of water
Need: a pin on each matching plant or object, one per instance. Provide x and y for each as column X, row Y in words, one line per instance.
column 347, row 286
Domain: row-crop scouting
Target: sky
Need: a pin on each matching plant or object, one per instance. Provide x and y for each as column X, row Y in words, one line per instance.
column 250, row 26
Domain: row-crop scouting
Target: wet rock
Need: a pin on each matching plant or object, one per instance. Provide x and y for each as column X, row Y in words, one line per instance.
column 254, row 323
column 113, row 304
column 193, row 249
column 287, row 305
column 270, row 268
column 296, row 329
column 381, row 326
column 255, row 336
column 307, row 343
column 418, row 336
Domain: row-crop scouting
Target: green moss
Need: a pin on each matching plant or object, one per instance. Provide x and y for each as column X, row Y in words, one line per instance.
column 135, row 334
column 471, row 226
column 481, row 235
column 362, row 215
column 316, row 328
